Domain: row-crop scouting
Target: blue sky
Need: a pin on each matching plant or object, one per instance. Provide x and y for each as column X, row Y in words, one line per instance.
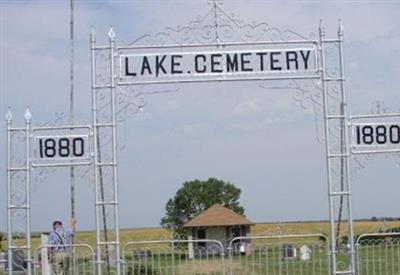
column 259, row 139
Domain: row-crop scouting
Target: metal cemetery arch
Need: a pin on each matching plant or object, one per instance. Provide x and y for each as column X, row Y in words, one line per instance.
column 115, row 70
column 230, row 58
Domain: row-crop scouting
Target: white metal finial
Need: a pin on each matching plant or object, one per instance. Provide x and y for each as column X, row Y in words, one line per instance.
column 215, row 2
column 340, row 29
column 321, row 27
column 111, row 33
column 92, row 34
column 28, row 114
column 9, row 115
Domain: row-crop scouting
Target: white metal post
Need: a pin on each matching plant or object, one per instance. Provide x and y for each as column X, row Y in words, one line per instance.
column 111, row 35
column 327, row 151
column 28, row 190
column 8, row 180
column 95, row 153
column 347, row 152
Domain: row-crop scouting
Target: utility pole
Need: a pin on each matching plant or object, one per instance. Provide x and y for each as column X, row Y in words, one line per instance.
column 71, row 122
column 71, row 103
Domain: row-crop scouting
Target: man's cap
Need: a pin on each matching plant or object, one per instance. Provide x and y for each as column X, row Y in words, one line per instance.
column 57, row 222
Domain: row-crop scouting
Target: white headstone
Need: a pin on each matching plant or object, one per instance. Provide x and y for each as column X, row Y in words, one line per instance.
column 305, row 253
column 242, row 248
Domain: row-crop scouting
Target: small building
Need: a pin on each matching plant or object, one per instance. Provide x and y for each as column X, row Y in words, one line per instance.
column 217, row 223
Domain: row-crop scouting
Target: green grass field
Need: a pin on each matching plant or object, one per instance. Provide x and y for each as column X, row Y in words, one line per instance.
column 141, row 234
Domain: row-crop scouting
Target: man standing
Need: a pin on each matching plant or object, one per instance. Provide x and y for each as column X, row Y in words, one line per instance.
column 58, row 250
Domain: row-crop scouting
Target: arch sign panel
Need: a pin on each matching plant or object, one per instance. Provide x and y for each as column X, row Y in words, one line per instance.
column 137, row 65
column 379, row 133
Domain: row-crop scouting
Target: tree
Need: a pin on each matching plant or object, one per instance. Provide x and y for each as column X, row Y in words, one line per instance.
column 196, row 196
column 2, row 238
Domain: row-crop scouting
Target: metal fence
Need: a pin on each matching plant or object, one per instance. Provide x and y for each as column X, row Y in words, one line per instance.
column 286, row 254
column 77, row 259
column 378, row 254
column 19, row 261
column 280, row 255
column 175, row 257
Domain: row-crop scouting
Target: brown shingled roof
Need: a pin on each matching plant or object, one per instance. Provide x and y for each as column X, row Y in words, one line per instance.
column 217, row 215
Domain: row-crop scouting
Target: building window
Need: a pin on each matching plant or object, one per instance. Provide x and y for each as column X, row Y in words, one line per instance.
column 201, row 235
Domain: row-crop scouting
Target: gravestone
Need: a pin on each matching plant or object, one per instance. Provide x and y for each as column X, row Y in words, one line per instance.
column 305, row 253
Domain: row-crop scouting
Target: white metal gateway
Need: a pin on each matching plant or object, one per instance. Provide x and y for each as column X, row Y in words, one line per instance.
column 214, row 48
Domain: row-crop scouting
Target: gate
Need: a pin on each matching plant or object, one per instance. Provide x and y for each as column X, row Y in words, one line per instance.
column 84, row 260
column 378, row 254
column 287, row 254
column 175, row 257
